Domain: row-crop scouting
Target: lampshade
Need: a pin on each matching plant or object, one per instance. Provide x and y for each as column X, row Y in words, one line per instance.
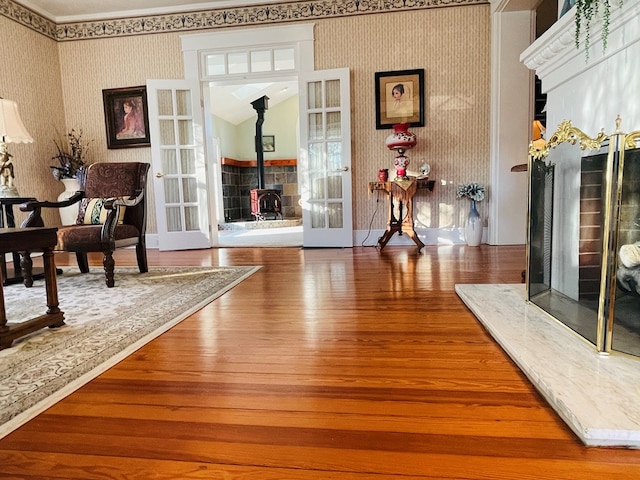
column 401, row 139
column 12, row 129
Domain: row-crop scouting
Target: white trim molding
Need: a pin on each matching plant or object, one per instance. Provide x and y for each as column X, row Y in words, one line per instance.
column 554, row 55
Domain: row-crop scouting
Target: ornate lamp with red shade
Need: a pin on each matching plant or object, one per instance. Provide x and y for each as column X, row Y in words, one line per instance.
column 401, row 140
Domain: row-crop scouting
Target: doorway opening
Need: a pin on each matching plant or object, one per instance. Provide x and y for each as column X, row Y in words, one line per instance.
column 234, row 124
column 245, row 60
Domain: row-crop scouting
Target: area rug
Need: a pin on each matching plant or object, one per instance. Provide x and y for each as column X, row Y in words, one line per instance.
column 103, row 326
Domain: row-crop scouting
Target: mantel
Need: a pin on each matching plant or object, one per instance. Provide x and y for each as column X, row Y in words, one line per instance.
column 555, row 58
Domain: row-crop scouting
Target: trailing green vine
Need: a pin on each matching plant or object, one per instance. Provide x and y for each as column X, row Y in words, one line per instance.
column 586, row 12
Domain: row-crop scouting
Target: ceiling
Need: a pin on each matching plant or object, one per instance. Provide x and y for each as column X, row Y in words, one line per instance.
column 65, row 11
column 231, row 103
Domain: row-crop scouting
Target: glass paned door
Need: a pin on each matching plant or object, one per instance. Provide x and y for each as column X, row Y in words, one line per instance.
column 178, row 164
column 325, row 159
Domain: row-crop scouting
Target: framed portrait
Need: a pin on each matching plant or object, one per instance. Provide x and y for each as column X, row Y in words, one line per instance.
column 126, row 117
column 399, row 98
column 268, row 143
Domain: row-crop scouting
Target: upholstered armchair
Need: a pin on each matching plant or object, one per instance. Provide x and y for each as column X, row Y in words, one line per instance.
column 112, row 214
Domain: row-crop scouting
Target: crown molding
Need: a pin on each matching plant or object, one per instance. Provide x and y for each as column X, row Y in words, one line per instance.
column 253, row 15
column 28, row 18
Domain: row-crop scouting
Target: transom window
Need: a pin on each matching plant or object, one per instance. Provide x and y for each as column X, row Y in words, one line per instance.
column 263, row 60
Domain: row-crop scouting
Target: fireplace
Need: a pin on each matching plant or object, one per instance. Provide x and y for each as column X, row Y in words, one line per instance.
column 266, row 202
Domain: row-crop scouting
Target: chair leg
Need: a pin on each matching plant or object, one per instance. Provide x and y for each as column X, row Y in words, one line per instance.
column 83, row 262
column 109, row 264
column 141, row 254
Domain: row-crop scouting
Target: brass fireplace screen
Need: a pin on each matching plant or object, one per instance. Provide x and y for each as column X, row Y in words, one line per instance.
column 583, row 238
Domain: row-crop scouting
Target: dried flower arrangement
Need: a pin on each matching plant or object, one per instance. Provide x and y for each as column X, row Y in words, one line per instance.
column 71, row 156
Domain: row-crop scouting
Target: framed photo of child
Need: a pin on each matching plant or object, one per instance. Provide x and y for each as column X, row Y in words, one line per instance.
column 126, row 117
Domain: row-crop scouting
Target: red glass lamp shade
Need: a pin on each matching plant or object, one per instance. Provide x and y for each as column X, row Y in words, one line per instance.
column 401, row 138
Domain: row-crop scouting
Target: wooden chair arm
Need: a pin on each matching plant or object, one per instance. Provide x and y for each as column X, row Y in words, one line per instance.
column 33, row 204
column 111, row 203
column 34, row 219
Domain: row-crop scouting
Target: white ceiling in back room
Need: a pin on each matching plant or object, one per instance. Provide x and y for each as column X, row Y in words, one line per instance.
column 233, row 102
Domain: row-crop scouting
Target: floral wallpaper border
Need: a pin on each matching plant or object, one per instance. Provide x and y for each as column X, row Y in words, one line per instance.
column 217, row 18
column 27, row 18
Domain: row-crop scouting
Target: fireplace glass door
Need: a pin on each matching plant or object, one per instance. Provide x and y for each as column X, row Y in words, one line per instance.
column 583, row 248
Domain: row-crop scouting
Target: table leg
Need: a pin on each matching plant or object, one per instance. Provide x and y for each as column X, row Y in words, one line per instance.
column 51, row 283
column 409, row 226
column 26, row 266
column 392, row 226
column 403, row 224
column 3, row 313
column 11, row 223
column 3, row 261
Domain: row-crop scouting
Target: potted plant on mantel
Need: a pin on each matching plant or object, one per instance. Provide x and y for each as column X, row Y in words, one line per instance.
column 586, row 12
column 70, row 170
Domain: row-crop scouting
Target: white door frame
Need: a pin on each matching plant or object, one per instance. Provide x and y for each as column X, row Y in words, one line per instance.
column 193, row 48
column 512, row 83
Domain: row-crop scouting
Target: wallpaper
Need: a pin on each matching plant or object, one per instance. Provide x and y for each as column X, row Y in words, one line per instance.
column 89, row 66
column 38, row 93
column 451, row 44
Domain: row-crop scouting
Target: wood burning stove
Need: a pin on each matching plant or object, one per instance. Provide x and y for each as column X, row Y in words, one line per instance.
column 266, row 202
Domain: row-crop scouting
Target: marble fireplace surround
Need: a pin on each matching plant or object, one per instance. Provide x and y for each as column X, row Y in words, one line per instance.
column 598, row 396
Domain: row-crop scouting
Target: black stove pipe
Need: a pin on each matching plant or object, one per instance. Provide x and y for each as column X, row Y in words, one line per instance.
column 260, row 105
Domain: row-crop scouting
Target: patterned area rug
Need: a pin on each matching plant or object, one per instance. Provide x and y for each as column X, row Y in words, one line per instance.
column 103, row 326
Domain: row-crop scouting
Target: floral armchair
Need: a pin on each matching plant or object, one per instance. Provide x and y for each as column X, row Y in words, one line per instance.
column 112, row 214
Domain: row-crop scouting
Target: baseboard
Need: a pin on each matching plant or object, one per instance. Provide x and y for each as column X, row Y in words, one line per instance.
column 365, row 238
column 152, row 240
column 429, row 236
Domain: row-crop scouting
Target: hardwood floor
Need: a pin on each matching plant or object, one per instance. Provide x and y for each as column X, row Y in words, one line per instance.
column 343, row 364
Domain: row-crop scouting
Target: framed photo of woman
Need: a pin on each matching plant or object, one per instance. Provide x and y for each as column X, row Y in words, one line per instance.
column 126, row 117
column 399, row 98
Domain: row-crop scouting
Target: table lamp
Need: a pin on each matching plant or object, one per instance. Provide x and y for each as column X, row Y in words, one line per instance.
column 401, row 140
column 12, row 130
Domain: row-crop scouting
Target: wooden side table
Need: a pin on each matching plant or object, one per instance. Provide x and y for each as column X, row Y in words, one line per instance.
column 25, row 241
column 7, row 219
column 401, row 193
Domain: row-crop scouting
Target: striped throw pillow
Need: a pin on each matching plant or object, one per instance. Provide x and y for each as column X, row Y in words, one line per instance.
column 92, row 211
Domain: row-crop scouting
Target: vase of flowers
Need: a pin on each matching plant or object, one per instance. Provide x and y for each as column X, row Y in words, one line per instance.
column 474, row 227
column 70, row 169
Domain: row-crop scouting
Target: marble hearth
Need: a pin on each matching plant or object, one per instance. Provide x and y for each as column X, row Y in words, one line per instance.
column 598, row 396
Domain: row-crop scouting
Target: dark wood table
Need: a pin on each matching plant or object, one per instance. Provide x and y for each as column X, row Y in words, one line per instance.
column 401, row 194
column 25, row 241
column 7, row 219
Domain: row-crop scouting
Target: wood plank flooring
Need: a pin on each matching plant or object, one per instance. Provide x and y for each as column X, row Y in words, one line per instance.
column 343, row 364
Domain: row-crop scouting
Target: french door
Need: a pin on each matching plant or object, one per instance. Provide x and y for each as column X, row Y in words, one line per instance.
column 325, row 158
column 178, row 164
